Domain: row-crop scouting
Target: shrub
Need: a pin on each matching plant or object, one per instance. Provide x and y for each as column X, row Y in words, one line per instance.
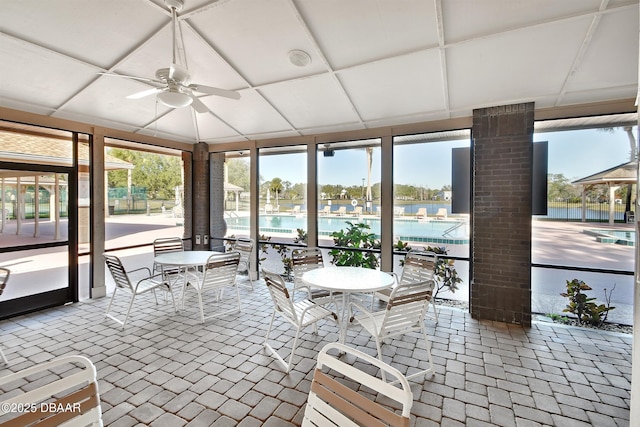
column 584, row 307
column 355, row 236
column 446, row 274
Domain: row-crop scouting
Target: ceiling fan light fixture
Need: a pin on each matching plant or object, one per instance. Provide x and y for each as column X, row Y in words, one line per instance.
column 299, row 58
column 175, row 99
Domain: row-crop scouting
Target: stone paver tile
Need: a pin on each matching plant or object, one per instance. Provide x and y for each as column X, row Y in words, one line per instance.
column 168, row 420
column 205, row 418
column 234, row 409
column 559, row 420
column 453, row 409
column 146, row 413
column 502, row 416
column 532, row 414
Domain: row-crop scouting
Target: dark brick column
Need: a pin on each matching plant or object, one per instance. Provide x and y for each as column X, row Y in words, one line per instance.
column 200, row 203
column 502, row 168
column 187, row 197
column 218, row 226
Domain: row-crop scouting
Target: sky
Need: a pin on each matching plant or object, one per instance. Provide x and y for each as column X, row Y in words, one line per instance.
column 575, row 154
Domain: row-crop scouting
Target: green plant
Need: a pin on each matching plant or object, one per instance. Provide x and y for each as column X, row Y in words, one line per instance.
column 558, row 318
column 447, row 276
column 284, row 252
column 584, row 307
column 355, row 236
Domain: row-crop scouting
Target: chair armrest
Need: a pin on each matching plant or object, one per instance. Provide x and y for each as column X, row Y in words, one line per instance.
column 156, row 277
column 305, row 288
column 140, row 269
column 361, row 309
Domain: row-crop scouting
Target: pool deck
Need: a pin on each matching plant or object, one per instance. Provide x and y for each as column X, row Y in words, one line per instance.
column 553, row 243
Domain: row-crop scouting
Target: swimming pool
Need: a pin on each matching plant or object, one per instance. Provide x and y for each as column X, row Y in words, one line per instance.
column 619, row 237
column 429, row 231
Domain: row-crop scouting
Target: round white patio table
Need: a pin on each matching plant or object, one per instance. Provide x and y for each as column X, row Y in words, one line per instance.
column 347, row 280
column 186, row 260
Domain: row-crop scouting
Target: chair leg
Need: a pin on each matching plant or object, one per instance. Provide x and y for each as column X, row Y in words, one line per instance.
column 201, row 306
column 3, row 357
column 275, row 354
column 249, row 276
column 379, row 347
column 110, row 302
column 435, row 311
column 133, row 296
column 266, row 338
column 237, row 296
column 425, row 371
column 183, row 294
column 293, row 348
column 170, row 291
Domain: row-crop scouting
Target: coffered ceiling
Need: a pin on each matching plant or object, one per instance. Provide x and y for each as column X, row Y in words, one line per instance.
column 373, row 62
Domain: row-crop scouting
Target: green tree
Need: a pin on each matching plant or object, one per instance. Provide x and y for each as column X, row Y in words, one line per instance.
column 559, row 187
column 158, row 173
column 238, row 172
column 276, row 186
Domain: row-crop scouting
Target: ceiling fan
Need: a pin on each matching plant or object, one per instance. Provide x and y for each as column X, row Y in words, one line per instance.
column 173, row 84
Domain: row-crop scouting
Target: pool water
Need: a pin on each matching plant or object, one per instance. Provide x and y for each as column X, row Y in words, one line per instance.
column 430, row 231
column 619, row 237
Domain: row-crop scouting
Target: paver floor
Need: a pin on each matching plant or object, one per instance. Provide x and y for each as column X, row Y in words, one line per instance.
column 167, row 369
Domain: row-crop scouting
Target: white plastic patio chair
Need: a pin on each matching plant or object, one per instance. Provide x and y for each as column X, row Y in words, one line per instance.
column 300, row 313
column 244, row 246
column 68, row 397
column 418, row 267
column 219, row 273
column 303, row 260
column 4, row 278
column 336, row 399
column 149, row 283
column 165, row 245
column 405, row 313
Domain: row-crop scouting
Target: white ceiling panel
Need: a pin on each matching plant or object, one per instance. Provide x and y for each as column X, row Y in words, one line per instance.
column 249, row 115
column 359, row 31
column 311, row 102
column 606, row 94
column 178, row 122
column 373, row 62
column 205, row 66
column 607, row 62
column 401, row 86
column 94, row 31
column 104, row 98
column 37, row 75
column 256, row 37
column 525, row 64
column 467, row 19
column 211, row 127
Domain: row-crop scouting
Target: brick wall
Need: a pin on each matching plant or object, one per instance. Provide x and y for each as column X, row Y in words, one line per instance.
column 200, row 195
column 187, row 160
column 218, row 226
column 502, row 170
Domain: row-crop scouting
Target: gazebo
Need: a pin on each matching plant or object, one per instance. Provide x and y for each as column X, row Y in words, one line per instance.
column 229, row 187
column 43, row 150
column 614, row 177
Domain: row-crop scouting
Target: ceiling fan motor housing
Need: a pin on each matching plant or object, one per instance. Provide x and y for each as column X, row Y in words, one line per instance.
column 175, row 4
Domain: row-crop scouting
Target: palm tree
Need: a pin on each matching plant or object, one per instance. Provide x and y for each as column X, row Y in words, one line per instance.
column 369, row 152
column 276, row 187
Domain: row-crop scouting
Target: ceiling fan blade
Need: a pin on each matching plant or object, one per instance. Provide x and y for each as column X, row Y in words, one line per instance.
column 215, row 91
column 199, row 105
column 179, row 74
column 125, row 76
column 144, row 93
